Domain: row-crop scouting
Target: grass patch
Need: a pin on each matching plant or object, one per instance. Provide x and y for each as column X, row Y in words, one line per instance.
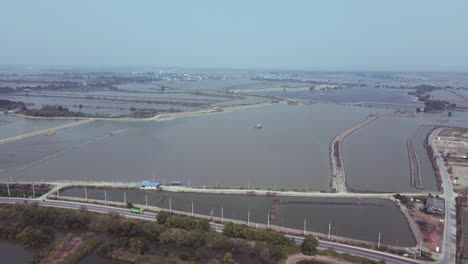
column 348, row 257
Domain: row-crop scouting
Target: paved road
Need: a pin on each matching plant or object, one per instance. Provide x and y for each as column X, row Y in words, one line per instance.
column 389, row 258
column 450, row 228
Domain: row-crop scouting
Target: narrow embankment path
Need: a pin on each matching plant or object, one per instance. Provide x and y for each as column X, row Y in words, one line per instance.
column 44, row 131
column 338, row 183
column 414, row 163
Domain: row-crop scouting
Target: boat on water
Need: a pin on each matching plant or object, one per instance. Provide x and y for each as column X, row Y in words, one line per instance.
column 259, row 125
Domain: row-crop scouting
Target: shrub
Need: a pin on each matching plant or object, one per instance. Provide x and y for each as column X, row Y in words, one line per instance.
column 309, row 246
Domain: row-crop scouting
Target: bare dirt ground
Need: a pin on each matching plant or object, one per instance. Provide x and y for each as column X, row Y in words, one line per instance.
column 460, row 173
column 318, row 259
column 62, row 250
column 431, row 228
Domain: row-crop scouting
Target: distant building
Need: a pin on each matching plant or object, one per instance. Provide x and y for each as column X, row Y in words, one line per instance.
column 434, row 206
column 175, row 183
column 148, row 185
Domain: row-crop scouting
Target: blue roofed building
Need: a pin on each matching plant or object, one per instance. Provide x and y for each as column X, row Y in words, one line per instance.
column 149, row 185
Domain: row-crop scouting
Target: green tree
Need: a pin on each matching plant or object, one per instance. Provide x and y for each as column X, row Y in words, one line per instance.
column 215, row 261
column 36, row 236
column 138, row 245
column 162, row 217
column 309, row 246
column 203, row 224
column 228, row 258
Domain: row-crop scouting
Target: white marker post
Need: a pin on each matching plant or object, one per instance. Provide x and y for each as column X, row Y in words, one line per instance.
column 305, row 226
column 268, row 220
column 378, row 242
column 146, row 199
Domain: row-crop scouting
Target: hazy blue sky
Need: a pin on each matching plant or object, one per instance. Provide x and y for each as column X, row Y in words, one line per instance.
column 309, row 34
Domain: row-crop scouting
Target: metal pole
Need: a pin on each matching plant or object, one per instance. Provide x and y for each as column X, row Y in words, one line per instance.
column 248, row 218
column 8, row 188
column 268, row 220
column 146, row 199
column 125, row 197
column 170, row 205
column 33, row 191
column 378, row 243
column 329, row 230
column 420, row 248
column 222, row 214
column 305, row 225
column 86, row 193
column 192, row 208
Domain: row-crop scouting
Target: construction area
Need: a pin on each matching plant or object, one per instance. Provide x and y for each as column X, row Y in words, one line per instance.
column 453, row 144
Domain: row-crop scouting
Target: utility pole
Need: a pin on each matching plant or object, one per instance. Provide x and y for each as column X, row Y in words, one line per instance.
column 192, row 208
column 8, row 188
column 146, row 199
column 125, row 197
column 268, row 220
column 170, row 205
column 378, row 242
column 86, row 193
column 248, row 218
column 329, row 230
column 33, row 191
column 222, row 214
column 305, row 226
